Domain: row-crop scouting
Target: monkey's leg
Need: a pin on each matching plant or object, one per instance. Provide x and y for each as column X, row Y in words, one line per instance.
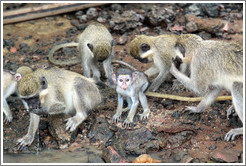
column 129, row 104
column 80, row 116
column 118, row 113
column 207, row 100
column 237, row 99
column 29, row 137
column 25, row 105
column 151, row 71
column 96, row 72
column 131, row 114
column 185, row 80
column 158, row 80
column 144, row 103
column 7, row 111
column 108, row 68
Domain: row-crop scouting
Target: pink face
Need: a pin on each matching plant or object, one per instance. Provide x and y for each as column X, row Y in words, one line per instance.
column 124, row 81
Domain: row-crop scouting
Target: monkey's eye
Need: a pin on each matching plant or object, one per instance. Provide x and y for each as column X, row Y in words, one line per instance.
column 127, row 80
column 121, row 80
column 145, row 47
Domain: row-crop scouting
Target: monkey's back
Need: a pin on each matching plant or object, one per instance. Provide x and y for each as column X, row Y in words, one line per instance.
column 8, row 80
column 95, row 32
column 217, row 63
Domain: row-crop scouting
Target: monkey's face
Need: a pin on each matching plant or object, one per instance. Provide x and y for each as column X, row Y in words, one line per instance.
column 140, row 48
column 124, row 81
column 29, row 88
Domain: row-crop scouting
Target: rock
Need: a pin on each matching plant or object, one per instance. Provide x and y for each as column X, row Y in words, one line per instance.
column 177, row 139
column 101, row 20
column 194, row 9
column 145, row 158
column 110, row 155
column 159, row 16
column 116, row 7
column 99, row 130
column 91, row 13
column 127, row 21
column 211, row 25
column 82, row 19
column 122, row 40
column 136, row 142
column 57, row 129
column 210, row 9
column 231, row 156
column 212, row 147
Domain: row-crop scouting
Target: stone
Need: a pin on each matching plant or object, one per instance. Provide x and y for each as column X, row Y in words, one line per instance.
column 110, row 155
column 231, row 156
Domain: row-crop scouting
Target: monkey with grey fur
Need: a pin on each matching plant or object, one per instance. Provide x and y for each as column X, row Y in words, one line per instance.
column 94, row 44
column 132, row 85
column 214, row 65
column 56, row 91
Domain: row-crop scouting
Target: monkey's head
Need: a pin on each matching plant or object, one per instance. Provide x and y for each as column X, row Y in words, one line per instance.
column 124, row 78
column 29, row 89
column 187, row 41
column 101, row 49
column 141, row 48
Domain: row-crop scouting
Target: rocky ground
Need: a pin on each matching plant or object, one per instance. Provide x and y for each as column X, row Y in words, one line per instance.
column 170, row 134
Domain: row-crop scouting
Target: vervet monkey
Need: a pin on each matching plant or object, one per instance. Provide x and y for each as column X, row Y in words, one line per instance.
column 214, row 65
column 132, row 85
column 94, row 44
column 9, row 87
column 56, row 91
column 160, row 50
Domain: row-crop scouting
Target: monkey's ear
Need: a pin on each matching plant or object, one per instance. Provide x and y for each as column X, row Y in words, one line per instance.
column 114, row 78
column 90, row 46
column 43, row 83
column 113, row 42
column 134, row 76
column 18, row 77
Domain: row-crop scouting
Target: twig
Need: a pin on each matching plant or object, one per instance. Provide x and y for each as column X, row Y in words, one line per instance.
column 44, row 11
column 180, row 98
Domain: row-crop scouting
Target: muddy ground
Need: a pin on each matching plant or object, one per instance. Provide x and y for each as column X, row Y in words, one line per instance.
column 170, row 134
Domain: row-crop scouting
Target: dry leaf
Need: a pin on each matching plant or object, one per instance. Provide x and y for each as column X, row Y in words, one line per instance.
column 144, row 158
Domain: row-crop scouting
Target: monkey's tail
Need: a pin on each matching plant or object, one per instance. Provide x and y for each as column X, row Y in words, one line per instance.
column 125, row 64
column 71, row 61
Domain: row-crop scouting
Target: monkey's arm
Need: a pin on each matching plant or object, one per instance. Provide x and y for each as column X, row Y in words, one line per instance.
column 117, row 115
column 29, row 137
column 132, row 112
column 151, row 71
column 158, row 80
column 7, row 111
column 108, row 68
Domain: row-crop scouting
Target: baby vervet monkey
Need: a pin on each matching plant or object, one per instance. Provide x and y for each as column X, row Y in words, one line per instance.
column 160, row 50
column 56, row 91
column 94, row 44
column 132, row 85
column 10, row 80
column 214, row 65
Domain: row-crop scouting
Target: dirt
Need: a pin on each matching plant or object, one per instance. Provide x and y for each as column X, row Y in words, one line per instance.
column 32, row 41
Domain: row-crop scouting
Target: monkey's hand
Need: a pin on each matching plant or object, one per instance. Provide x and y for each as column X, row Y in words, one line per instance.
column 116, row 118
column 127, row 123
column 24, row 141
column 233, row 133
column 144, row 115
column 193, row 109
column 73, row 122
column 231, row 112
column 8, row 119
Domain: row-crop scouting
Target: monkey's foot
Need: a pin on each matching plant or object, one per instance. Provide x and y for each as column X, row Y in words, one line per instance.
column 8, row 119
column 233, row 133
column 116, row 118
column 193, row 109
column 24, row 141
column 127, row 123
column 125, row 109
column 144, row 115
column 73, row 123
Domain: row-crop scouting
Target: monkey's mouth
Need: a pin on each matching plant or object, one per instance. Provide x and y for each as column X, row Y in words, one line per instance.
column 142, row 60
